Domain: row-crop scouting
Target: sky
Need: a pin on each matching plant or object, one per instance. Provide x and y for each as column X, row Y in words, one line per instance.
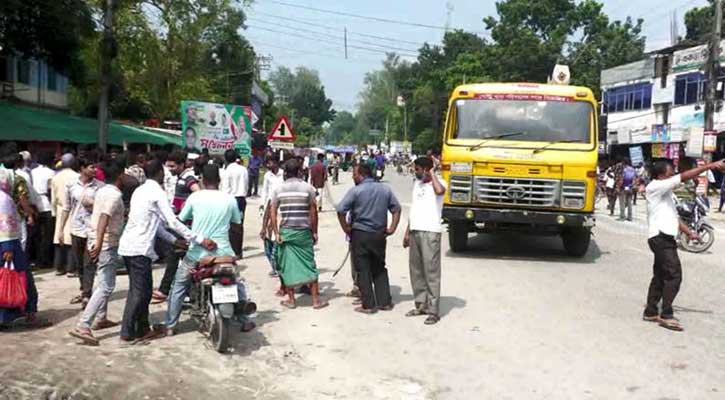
column 301, row 36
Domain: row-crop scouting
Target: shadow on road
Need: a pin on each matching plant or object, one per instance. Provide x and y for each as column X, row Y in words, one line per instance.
column 517, row 246
column 447, row 303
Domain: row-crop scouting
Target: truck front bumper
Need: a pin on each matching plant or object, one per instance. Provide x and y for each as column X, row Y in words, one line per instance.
column 518, row 217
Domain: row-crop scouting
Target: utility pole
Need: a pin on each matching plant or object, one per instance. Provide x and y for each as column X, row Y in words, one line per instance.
column 346, row 43
column 713, row 67
column 108, row 50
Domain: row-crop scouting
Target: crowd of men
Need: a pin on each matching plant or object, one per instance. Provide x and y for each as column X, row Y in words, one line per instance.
column 90, row 216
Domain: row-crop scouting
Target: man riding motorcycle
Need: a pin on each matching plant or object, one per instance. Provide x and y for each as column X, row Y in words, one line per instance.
column 213, row 213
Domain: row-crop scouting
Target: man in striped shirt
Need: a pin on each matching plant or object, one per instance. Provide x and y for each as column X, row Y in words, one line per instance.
column 296, row 233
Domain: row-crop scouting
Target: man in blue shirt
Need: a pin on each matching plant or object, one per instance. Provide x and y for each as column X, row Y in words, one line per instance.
column 369, row 203
column 255, row 163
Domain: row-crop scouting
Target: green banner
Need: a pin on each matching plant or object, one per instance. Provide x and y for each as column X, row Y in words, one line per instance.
column 217, row 127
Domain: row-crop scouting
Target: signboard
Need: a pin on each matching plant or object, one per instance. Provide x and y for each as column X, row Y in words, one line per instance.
column 277, row 145
column 692, row 58
column 702, row 181
column 635, row 155
column 640, row 135
column 375, row 132
column 623, row 136
column 282, row 131
column 709, row 144
column 658, row 150
column 661, row 133
column 217, row 127
column 695, row 143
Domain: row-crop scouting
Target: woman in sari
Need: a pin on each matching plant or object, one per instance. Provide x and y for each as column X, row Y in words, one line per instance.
column 12, row 252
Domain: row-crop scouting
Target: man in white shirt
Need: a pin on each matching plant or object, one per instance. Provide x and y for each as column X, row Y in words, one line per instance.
column 423, row 236
column 664, row 225
column 41, row 177
column 149, row 212
column 235, row 181
column 273, row 178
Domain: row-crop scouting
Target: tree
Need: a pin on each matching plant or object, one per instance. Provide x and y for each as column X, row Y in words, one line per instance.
column 343, row 125
column 302, row 95
column 699, row 22
column 51, row 30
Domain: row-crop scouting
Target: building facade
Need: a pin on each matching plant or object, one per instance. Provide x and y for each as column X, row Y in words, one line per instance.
column 33, row 82
column 658, row 104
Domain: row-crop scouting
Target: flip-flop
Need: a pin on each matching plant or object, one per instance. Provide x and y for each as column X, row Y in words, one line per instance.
column 389, row 307
column 415, row 313
column 654, row 318
column 86, row 338
column 321, row 305
column 432, row 320
column 77, row 299
column 289, row 305
column 365, row 310
column 357, row 302
column 151, row 335
column 671, row 324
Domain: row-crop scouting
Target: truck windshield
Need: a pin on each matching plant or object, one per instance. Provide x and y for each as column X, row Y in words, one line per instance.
column 539, row 121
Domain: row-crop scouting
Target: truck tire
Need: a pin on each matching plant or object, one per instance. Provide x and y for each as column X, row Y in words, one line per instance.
column 576, row 241
column 458, row 236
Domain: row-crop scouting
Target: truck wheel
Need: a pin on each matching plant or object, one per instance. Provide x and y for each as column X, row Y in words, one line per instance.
column 458, row 236
column 576, row 241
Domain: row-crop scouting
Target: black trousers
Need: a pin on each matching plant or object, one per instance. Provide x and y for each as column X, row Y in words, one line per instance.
column 78, row 248
column 236, row 235
column 136, row 313
column 62, row 258
column 667, row 275
column 368, row 257
column 253, row 183
column 172, row 264
column 88, row 275
column 46, row 229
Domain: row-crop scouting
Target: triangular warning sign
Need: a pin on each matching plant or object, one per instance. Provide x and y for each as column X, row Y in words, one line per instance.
column 282, row 130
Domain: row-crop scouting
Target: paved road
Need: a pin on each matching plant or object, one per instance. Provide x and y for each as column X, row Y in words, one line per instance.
column 521, row 320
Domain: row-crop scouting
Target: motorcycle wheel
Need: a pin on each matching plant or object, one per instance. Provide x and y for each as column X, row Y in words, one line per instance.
column 707, row 236
column 219, row 329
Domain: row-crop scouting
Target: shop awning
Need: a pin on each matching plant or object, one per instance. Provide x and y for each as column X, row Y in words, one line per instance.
column 24, row 123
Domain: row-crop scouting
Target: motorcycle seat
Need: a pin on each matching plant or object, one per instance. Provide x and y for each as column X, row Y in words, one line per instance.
column 209, row 261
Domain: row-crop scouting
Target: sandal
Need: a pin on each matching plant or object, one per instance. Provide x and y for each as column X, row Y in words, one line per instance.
column 357, row 302
column 653, row 318
column 104, row 324
column 320, row 305
column 355, row 292
column 389, row 307
column 364, row 310
column 77, row 299
column 85, row 335
column 415, row 313
column 432, row 320
column 248, row 326
column 671, row 324
column 287, row 304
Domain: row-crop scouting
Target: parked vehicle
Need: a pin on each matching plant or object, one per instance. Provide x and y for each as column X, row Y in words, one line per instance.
column 693, row 213
column 218, row 299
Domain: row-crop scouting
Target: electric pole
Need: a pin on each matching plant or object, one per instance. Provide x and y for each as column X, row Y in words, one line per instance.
column 713, row 67
column 108, row 50
column 346, row 43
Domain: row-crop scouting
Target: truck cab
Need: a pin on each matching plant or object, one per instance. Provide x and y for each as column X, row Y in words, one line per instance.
column 521, row 157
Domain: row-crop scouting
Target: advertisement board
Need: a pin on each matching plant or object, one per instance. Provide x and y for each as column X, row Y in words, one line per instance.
column 695, row 143
column 217, row 127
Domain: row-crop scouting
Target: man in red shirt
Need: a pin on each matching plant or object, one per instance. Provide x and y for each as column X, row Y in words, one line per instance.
column 318, row 176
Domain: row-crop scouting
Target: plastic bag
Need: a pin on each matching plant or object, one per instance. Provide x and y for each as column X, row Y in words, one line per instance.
column 13, row 287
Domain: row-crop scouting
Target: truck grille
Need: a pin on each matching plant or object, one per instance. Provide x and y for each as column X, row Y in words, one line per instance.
column 517, row 191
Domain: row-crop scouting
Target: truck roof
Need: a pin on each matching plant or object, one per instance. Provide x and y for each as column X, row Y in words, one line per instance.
column 525, row 87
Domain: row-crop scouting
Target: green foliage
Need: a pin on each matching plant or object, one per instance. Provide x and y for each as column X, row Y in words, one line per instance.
column 528, row 37
column 301, row 96
column 699, row 23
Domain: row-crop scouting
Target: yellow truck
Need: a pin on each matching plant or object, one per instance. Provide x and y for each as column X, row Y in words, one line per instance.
column 521, row 157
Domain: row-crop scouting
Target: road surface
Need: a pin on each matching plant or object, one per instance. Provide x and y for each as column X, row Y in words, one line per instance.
column 521, row 320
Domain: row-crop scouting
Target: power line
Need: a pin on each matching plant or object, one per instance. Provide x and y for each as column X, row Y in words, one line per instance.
column 325, row 34
column 313, row 23
column 369, row 49
column 366, row 17
column 308, row 52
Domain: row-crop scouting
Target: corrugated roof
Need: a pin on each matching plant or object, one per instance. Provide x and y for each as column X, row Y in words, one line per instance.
column 638, row 70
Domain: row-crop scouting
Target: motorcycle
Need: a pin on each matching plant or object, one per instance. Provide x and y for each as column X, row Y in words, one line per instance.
column 218, row 298
column 693, row 213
